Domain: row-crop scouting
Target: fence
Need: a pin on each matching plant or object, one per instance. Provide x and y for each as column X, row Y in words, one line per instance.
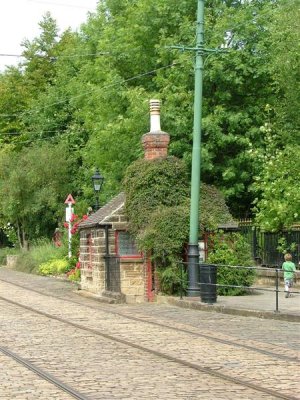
column 266, row 245
column 209, row 285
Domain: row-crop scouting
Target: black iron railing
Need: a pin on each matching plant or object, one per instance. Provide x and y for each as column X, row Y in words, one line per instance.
column 209, row 285
column 265, row 246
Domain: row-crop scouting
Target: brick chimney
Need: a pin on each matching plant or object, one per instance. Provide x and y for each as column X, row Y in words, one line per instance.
column 155, row 142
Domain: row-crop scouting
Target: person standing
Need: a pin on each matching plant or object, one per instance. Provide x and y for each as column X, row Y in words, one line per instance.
column 289, row 269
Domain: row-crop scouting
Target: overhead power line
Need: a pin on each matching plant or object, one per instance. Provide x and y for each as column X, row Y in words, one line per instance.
column 104, row 53
column 94, row 90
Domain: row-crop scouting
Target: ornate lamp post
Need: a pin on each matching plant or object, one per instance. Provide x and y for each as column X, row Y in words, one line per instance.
column 97, row 180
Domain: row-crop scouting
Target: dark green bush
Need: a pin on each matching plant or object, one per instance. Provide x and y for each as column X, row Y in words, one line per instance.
column 231, row 250
column 172, row 279
column 152, row 184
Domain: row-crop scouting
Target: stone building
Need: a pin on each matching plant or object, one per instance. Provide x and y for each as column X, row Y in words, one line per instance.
column 111, row 265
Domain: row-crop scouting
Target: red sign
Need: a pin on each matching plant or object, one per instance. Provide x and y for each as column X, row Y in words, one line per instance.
column 70, row 200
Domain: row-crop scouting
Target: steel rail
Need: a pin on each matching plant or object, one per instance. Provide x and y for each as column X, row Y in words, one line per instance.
column 45, row 375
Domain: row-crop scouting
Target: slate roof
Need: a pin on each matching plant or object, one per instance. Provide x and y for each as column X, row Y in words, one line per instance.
column 100, row 217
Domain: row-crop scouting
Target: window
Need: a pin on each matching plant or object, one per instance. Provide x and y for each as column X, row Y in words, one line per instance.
column 125, row 245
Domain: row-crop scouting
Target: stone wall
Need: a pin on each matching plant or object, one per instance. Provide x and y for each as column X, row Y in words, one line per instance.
column 133, row 275
column 267, row 277
column 133, row 279
column 11, row 261
column 92, row 248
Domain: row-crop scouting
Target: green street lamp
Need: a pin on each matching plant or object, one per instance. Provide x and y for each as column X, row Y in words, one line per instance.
column 97, row 180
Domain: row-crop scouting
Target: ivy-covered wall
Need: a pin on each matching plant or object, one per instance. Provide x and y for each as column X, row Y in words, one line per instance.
column 158, row 203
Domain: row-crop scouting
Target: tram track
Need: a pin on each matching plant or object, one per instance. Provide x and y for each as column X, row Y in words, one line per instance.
column 202, row 369
column 164, row 325
column 44, row 375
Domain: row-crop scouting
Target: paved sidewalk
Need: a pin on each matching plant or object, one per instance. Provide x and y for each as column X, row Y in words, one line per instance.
column 259, row 303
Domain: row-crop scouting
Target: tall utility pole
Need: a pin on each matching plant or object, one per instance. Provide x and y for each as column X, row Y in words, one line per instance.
column 193, row 247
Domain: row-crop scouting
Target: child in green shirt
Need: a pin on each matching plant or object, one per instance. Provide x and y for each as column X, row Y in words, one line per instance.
column 289, row 270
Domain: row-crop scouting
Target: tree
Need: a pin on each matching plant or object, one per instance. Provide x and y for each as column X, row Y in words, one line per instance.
column 33, row 182
column 14, row 100
column 285, row 67
column 39, row 56
column 279, row 202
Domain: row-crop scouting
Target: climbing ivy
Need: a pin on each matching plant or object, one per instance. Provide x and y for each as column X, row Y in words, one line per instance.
column 153, row 184
column 157, row 206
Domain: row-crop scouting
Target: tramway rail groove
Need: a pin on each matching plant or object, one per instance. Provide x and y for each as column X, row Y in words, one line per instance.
column 137, row 319
column 44, row 375
column 205, row 370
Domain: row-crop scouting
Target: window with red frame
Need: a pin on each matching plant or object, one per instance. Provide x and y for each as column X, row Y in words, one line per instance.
column 125, row 245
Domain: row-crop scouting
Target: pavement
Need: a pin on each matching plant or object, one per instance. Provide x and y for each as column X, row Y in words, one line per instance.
column 259, row 303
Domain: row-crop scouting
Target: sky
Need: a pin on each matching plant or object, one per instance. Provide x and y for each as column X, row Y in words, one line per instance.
column 19, row 20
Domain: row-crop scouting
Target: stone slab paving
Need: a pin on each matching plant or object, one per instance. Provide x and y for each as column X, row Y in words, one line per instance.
column 105, row 369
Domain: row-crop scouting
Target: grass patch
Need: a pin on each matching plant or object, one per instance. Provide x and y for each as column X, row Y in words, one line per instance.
column 41, row 252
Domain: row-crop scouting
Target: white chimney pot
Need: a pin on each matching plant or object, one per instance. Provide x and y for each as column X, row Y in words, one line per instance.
column 155, row 116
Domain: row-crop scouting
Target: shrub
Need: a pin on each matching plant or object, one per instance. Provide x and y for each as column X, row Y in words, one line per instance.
column 74, row 274
column 165, row 235
column 172, row 279
column 152, row 184
column 54, row 267
column 231, row 250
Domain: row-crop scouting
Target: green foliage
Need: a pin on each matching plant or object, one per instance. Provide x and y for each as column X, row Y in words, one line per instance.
column 284, row 247
column 158, row 206
column 168, row 227
column 40, row 252
column 279, row 202
column 54, row 267
column 166, row 234
column 285, row 60
column 149, row 185
column 74, row 275
column 32, row 184
column 172, row 279
column 228, row 251
column 11, row 234
column 88, row 92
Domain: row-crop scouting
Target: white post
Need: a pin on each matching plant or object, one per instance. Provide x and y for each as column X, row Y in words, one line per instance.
column 69, row 230
column 69, row 211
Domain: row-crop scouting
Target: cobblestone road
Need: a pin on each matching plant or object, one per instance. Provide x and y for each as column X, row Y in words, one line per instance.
column 105, row 369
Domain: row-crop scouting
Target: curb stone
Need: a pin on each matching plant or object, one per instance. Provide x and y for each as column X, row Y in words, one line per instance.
column 227, row 310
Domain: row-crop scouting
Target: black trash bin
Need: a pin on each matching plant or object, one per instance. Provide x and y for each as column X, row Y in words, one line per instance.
column 208, row 281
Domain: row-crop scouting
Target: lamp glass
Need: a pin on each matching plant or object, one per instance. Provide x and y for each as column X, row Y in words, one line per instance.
column 97, row 179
